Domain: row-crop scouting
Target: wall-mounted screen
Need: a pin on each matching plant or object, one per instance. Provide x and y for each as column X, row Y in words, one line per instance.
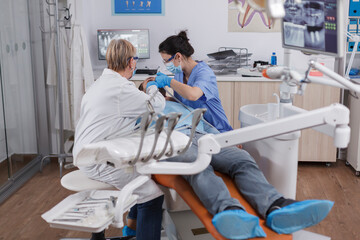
column 313, row 26
column 138, row 37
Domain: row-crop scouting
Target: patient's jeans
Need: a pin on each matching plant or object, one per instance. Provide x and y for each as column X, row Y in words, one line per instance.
column 148, row 217
column 241, row 167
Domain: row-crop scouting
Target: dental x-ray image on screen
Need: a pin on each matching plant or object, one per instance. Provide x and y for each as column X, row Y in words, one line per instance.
column 138, row 38
column 311, row 26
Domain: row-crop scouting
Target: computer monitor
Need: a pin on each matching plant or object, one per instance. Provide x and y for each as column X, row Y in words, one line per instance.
column 138, row 37
column 314, row 26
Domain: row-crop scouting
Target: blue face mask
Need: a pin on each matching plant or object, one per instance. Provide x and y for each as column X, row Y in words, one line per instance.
column 172, row 68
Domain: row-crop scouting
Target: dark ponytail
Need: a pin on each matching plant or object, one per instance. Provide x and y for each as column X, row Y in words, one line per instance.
column 177, row 43
column 183, row 35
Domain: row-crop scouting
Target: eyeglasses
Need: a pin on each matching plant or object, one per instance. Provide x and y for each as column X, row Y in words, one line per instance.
column 171, row 58
column 135, row 58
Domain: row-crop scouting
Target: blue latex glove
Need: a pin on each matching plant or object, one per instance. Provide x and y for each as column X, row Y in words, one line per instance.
column 161, row 74
column 150, row 83
column 163, row 80
column 299, row 215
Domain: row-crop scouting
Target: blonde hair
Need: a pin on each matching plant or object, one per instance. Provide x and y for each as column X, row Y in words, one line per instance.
column 118, row 53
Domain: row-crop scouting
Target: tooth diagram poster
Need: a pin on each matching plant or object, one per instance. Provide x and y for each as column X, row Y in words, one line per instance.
column 138, row 7
column 251, row 20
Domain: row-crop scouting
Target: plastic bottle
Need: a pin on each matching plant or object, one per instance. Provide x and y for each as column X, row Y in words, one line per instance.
column 273, row 59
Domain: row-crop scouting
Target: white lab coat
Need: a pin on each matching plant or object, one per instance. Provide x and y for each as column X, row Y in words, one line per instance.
column 51, row 78
column 76, row 73
column 106, row 108
column 81, row 72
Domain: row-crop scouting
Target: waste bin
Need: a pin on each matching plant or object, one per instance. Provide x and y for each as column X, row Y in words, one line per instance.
column 277, row 156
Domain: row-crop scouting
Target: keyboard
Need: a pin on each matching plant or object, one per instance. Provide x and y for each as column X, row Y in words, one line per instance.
column 148, row 71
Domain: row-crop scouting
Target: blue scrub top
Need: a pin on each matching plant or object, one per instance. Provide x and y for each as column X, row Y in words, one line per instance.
column 204, row 78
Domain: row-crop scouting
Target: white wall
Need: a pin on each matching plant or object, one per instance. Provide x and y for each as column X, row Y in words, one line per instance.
column 205, row 20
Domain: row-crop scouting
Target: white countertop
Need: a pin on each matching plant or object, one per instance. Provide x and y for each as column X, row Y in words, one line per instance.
column 220, row 78
column 235, row 78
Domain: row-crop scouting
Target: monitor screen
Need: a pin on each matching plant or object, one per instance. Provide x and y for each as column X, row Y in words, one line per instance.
column 313, row 26
column 138, row 37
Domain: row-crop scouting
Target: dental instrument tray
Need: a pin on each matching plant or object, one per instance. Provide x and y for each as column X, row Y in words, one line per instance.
column 221, row 54
column 228, row 60
column 87, row 211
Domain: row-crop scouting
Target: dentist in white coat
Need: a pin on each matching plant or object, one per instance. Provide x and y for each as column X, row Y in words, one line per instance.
column 107, row 108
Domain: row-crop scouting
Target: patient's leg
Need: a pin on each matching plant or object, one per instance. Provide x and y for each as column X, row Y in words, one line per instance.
column 288, row 216
column 212, row 191
column 210, row 188
column 230, row 219
column 249, row 179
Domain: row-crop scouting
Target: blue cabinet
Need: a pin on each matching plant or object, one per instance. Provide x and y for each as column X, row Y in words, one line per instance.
column 354, row 8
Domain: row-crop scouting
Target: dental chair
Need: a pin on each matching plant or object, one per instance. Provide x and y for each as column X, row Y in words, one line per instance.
column 163, row 143
column 78, row 182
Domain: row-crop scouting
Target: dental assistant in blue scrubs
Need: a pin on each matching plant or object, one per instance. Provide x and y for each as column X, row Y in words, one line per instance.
column 194, row 83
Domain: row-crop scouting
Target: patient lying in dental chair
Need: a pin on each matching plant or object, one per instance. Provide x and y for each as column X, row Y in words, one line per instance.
column 230, row 218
